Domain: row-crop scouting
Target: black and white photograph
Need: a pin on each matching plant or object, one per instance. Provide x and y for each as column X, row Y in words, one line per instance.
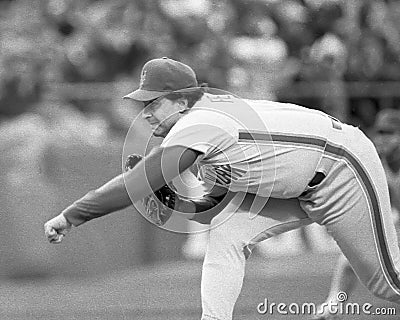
column 199, row 159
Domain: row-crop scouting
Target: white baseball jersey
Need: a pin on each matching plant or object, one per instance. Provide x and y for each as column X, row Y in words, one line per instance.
column 274, row 149
column 261, row 147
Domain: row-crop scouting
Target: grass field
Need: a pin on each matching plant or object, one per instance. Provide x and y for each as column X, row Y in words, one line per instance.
column 172, row 291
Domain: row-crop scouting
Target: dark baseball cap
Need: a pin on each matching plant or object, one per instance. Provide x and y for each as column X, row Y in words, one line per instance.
column 162, row 76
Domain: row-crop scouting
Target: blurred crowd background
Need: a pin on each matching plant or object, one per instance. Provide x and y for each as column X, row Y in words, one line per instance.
column 64, row 65
column 258, row 48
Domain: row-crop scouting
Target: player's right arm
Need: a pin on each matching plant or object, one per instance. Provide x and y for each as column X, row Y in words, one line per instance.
column 159, row 167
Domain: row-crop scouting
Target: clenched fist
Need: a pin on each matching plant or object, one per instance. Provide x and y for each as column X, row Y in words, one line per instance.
column 56, row 228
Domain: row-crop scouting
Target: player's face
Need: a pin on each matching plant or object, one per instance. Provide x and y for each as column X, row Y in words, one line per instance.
column 162, row 114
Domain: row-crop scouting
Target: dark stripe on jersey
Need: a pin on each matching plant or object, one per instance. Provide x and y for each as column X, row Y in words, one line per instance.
column 341, row 153
column 259, row 137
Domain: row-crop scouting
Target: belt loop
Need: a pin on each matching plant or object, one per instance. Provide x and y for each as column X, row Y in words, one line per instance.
column 325, row 165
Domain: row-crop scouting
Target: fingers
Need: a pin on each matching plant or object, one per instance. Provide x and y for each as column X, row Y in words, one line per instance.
column 56, row 228
column 52, row 235
column 57, row 239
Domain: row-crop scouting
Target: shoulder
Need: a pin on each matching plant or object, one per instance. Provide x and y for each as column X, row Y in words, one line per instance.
column 275, row 105
column 204, row 122
column 202, row 129
column 211, row 110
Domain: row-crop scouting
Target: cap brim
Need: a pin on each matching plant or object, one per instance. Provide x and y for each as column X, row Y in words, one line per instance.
column 144, row 95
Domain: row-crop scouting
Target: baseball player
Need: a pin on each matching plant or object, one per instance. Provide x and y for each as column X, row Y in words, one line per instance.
column 386, row 138
column 268, row 168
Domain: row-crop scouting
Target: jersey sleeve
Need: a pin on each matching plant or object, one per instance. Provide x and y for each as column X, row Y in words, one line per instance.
column 205, row 131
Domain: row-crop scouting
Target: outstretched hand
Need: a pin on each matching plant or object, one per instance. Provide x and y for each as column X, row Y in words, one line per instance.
column 56, row 229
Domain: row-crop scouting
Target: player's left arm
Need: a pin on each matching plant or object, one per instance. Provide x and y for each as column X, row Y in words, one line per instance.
column 159, row 167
